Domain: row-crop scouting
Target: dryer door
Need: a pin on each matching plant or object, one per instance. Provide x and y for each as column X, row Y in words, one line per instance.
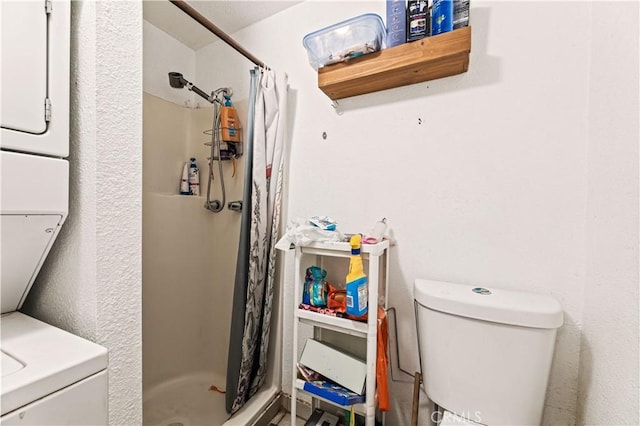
column 24, row 73
column 34, row 201
column 26, row 240
column 34, row 89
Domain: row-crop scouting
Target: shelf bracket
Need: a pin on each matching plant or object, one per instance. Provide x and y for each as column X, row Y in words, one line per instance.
column 336, row 107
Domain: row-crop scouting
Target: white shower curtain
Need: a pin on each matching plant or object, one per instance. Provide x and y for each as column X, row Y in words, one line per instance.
column 265, row 203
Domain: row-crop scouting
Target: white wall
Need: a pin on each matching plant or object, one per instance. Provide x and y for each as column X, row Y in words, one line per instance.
column 609, row 354
column 164, row 54
column 484, row 177
column 91, row 285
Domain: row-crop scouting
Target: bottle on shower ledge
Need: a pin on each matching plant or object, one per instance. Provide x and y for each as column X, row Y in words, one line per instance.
column 184, row 182
column 194, row 178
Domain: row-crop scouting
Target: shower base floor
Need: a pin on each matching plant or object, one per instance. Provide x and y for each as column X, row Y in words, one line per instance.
column 186, row 401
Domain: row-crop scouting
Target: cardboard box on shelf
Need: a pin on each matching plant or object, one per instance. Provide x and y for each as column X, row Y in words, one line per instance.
column 335, row 365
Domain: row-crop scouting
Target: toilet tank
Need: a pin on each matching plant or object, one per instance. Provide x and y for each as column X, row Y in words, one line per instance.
column 486, row 353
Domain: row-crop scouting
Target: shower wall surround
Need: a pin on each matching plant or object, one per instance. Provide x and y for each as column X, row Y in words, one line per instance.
column 189, row 253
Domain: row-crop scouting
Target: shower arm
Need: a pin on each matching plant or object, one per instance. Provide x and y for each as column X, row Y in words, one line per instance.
column 195, row 89
column 214, row 96
column 177, row 81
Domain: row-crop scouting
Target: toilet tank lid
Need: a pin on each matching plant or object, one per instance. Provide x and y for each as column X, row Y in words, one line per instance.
column 499, row 305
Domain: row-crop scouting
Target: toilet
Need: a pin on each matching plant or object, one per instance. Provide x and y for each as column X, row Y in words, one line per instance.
column 485, row 353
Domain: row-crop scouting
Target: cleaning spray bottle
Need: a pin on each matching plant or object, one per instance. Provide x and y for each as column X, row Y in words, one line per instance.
column 184, row 183
column 194, row 178
column 356, row 282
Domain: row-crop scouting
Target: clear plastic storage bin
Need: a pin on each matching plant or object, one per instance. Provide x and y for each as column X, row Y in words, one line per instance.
column 345, row 40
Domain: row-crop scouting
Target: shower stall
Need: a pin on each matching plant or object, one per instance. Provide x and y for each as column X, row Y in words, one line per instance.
column 190, row 244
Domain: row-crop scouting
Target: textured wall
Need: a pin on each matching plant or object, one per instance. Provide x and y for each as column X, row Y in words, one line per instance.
column 91, row 285
column 65, row 291
column 483, row 176
column 119, row 202
column 609, row 353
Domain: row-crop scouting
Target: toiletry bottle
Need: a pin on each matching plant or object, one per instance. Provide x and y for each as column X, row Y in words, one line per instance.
column 194, row 178
column 379, row 229
column 184, row 183
column 356, row 282
column 442, row 19
column 229, row 121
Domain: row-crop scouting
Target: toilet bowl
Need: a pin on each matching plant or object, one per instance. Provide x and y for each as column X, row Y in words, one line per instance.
column 447, row 418
column 485, row 353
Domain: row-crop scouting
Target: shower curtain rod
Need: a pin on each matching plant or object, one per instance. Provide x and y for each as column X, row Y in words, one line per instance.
column 197, row 16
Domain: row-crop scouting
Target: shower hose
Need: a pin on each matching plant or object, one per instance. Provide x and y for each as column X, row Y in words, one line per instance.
column 215, row 206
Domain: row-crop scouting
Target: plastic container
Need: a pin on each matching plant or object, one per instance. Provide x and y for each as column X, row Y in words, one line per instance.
column 345, row 40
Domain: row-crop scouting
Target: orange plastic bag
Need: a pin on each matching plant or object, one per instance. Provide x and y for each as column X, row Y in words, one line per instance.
column 336, row 299
column 382, row 361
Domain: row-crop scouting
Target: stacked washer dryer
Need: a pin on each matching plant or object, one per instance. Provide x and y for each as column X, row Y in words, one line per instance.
column 49, row 376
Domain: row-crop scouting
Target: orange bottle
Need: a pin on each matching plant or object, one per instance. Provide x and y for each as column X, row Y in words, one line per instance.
column 229, row 122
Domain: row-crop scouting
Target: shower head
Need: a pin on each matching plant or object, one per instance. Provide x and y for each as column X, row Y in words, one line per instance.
column 176, row 80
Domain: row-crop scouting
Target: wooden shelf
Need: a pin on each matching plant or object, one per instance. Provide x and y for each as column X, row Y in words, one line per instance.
column 423, row 60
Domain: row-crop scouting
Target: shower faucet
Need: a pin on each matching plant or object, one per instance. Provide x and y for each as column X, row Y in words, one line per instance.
column 235, row 206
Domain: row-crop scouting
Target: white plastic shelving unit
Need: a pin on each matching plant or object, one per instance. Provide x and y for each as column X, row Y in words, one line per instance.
column 376, row 261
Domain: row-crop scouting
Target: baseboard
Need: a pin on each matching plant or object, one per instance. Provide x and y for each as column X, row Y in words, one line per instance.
column 303, row 409
column 270, row 412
